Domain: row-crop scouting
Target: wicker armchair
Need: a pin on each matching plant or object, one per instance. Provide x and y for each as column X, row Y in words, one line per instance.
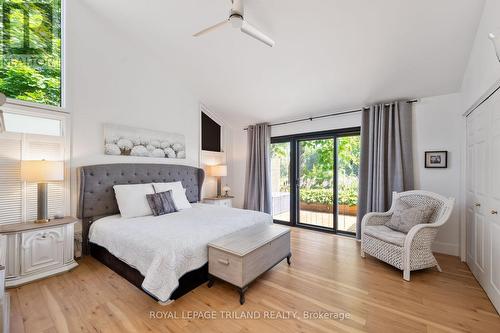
column 411, row 251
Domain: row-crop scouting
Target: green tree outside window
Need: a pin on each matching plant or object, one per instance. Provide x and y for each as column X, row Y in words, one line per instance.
column 30, row 52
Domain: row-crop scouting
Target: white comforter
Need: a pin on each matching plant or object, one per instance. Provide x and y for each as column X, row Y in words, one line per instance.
column 164, row 248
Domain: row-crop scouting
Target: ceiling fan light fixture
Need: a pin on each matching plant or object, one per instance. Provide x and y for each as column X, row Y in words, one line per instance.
column 236, row 21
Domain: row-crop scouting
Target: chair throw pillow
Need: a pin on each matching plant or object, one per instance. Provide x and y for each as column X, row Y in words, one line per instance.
column 406, row 217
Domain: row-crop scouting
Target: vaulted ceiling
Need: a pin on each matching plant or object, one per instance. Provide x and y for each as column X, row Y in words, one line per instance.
column 329, row 54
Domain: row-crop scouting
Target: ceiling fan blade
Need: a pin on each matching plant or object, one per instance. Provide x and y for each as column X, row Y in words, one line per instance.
column 214, row 27
column 255, row 33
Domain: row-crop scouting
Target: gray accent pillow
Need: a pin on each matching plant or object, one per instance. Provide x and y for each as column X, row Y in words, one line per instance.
column 406, row 217
column 161, row 203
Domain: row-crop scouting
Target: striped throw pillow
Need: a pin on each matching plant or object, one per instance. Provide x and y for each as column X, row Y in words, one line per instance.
column 161, row 203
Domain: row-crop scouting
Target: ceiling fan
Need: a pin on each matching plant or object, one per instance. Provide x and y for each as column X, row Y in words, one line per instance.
column 238, row 21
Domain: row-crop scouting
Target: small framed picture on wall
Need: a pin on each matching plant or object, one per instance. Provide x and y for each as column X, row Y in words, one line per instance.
column 436, row 159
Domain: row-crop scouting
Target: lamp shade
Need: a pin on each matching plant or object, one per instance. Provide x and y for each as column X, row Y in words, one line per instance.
column 217, row 171
column 42, row 171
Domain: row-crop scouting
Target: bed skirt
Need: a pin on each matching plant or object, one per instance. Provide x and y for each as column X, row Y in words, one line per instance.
column 187, row 282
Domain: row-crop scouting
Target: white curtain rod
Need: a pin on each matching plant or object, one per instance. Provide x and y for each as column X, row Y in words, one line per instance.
column 329, row 115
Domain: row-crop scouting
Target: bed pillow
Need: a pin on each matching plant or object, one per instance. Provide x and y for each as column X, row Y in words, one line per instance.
column 406, row 217
column 132, row 200
column 178, row 193
column 161, row 203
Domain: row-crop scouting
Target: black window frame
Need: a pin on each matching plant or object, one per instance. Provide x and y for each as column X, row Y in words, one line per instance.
column 294, row 140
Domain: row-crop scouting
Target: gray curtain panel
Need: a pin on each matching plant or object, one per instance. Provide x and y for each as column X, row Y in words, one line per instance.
column 386, row 157
column 258, row 194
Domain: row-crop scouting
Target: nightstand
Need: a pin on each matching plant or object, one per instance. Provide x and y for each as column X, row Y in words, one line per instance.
column 219, row 201
column 37, row 250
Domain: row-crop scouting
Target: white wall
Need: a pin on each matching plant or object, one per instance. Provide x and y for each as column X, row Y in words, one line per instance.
column 236, row 167
column 483, row 69
column 325, row 124
column 438, row 125
column 112, row 78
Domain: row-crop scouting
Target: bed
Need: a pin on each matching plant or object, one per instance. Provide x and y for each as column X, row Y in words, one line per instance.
column 166, row 256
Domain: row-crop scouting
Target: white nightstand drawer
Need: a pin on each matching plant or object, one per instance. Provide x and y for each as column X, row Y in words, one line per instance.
column 226, row 203
column 223, row 202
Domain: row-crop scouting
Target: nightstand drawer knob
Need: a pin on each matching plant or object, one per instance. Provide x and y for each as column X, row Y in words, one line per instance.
column 224, row 262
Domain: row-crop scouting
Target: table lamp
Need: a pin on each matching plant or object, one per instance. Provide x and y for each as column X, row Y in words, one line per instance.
column 218, row 171
column 42, row 172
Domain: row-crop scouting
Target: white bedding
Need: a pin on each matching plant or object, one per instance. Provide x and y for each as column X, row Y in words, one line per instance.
column 164, row 248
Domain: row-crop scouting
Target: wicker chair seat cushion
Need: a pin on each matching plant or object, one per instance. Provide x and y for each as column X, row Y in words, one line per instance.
column 385, row 234
column 406, row 217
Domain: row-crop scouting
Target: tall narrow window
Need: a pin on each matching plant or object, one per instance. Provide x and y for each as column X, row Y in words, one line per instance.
column 30, row 52
column 210, row 134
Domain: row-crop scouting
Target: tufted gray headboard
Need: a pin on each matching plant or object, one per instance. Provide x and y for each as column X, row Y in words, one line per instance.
column 97, row 197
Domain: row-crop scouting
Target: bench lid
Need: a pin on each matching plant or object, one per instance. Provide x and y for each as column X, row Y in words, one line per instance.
column 247, row 240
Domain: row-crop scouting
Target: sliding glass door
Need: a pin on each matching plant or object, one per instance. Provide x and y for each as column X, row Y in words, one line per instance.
column 281, row 181
column 315, row 180
column 348, row 161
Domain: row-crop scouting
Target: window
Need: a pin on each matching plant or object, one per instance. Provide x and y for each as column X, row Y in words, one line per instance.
column 31, row 137
column 210, row 134
column 19, row 123
column 30, row 52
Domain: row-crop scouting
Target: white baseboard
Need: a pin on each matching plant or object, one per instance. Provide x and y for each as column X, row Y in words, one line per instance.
column 446, row 248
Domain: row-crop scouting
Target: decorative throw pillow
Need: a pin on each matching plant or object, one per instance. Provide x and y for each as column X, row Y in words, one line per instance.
column 406, row 217
column 161, row 203
column 178, row 193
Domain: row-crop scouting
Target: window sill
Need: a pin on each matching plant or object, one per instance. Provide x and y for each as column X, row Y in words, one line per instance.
column 32, row 105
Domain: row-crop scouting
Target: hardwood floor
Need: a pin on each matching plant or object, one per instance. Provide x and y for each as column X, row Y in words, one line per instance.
column 327, row 276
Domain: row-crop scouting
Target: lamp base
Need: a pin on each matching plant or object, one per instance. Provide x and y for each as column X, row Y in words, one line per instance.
column 42, row 200
column 219, row 187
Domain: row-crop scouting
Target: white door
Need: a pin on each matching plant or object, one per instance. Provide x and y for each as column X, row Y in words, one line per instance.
column 492, row 286
column 483, row 194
